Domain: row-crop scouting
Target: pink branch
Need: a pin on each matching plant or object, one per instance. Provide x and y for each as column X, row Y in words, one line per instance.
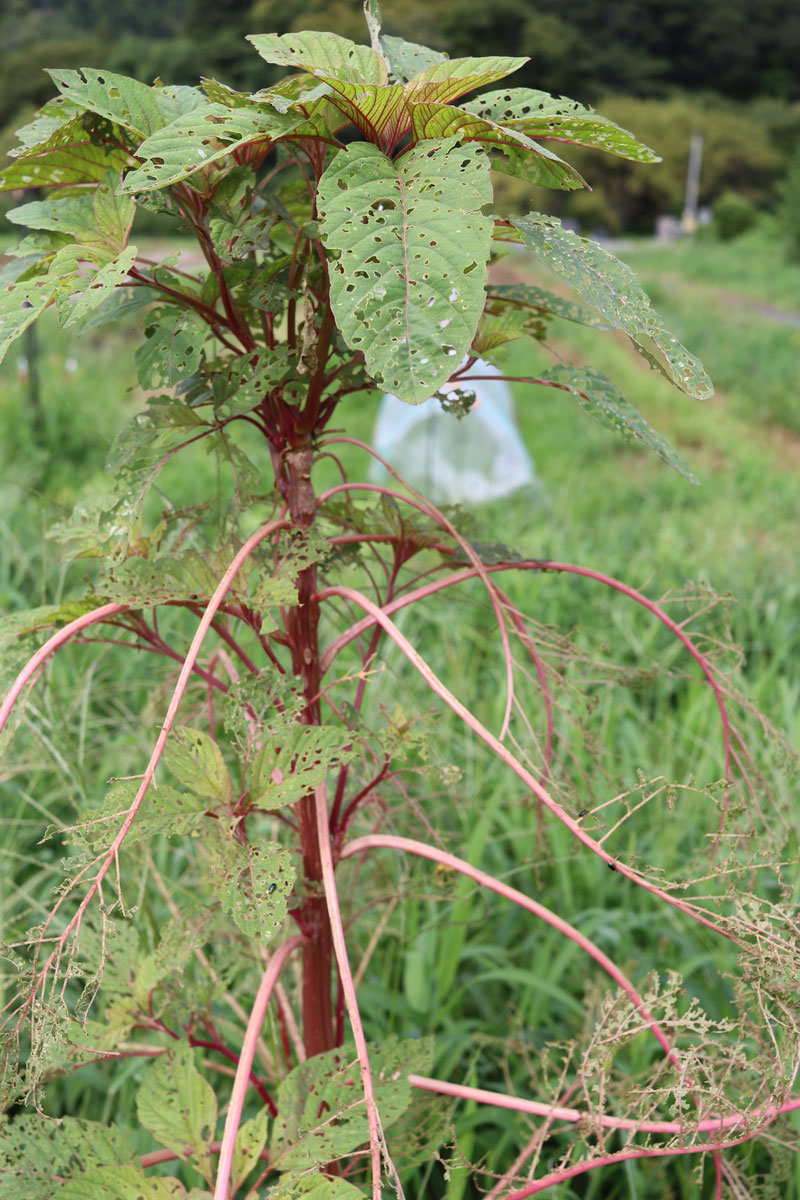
column 214, row 603
column 390, row 841
column 436, row 685
column 376, row 1138
column 557, row 1113
column 51, row 645
column 244, row 1067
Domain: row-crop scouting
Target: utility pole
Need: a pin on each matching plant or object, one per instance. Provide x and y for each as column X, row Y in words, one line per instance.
column 689, row 217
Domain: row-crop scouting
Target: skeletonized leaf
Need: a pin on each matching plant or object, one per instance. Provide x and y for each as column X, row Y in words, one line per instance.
column 407, row 59
column 322, row 53
column 598, row 396
column 408, row 286
column 196, row 761
column 611, row 287
column 540, row 115
column 20, row 305
column 253, row 884
column 321, row 1110
column 124, row 101
column 166, row 812
column 201, row 137
column 178, row 1106
column 446, row 80
column 173, row 348
column 547, row 302
column 119, row 303
column 518, row 154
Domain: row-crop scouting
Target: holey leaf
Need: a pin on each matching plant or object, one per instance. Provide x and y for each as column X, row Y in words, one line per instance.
column 253, row 884
column 293, row 1186
column 322, row 1114
column 178, row 1106
column 323, row 54
column 597, row 395
column 408, row 285
column 38, row 1156
column 611, row 288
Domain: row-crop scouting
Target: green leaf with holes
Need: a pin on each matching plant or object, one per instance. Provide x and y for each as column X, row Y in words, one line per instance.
column 201, row 137
column 126, row 1182
column 20, row 305
column 312, row 1186
column 173, row 348
column 92, row 279
column 541, row 115
column 407, row 59
column 411, row 246
column 322, row 1114
column 598, row 396
column 196, row 761
column 124, row 101
column 252, row 883
column 71, row 215
column 178, row 1106
column 39, row 1155
column 251, row 1138
column 325, row 54
column 611, row 288
column 47, row 121
column 547, row 303
column 516, row 154
column 293, row 760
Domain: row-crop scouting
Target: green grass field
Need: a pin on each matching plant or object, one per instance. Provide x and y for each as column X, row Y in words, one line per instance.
column 491, row 985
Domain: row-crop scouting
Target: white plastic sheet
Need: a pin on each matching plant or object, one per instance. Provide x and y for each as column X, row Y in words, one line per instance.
column 477, row 458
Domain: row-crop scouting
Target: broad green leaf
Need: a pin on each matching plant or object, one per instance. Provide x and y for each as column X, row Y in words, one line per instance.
column 321, row 1110
column 121, row 302
column 89, row 291
column 294, row 760
column 408, row 286
column 444, row 81
column 322, row 53
column 73, row 215
column 518, row 154
column 120, row 1183
column 67, row 158
column 379, row 112
column 51, row 117
column 176, row 99
column 546, row 302
column 541, row 115
column 597, row 395
column 20, row 305
column 611, row 287
column 196, row 761
column 253, row 884
column 173, row 348
column 250, row 1141
column 313, row 1186
column 178, row 1106
column 201, row 137
column 38, row 1155
column 16, row 268
column 113, row 214
column 124, row 101
column 407, row 59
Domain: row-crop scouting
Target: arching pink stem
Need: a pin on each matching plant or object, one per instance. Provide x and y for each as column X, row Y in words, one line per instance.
column 242, row 1078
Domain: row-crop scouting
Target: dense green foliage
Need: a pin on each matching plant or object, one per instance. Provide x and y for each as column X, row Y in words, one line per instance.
column 234, row 543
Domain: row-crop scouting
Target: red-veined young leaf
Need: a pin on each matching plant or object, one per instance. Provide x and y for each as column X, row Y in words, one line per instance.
column 125, row 101
column 322, row 54
column 379, row 112
column 540, row 115
column 444, row 81
column 518, row 154
column 67, row 158
column 611, row 288
column 408, row 285
column 598, row 396
column 201, row 137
